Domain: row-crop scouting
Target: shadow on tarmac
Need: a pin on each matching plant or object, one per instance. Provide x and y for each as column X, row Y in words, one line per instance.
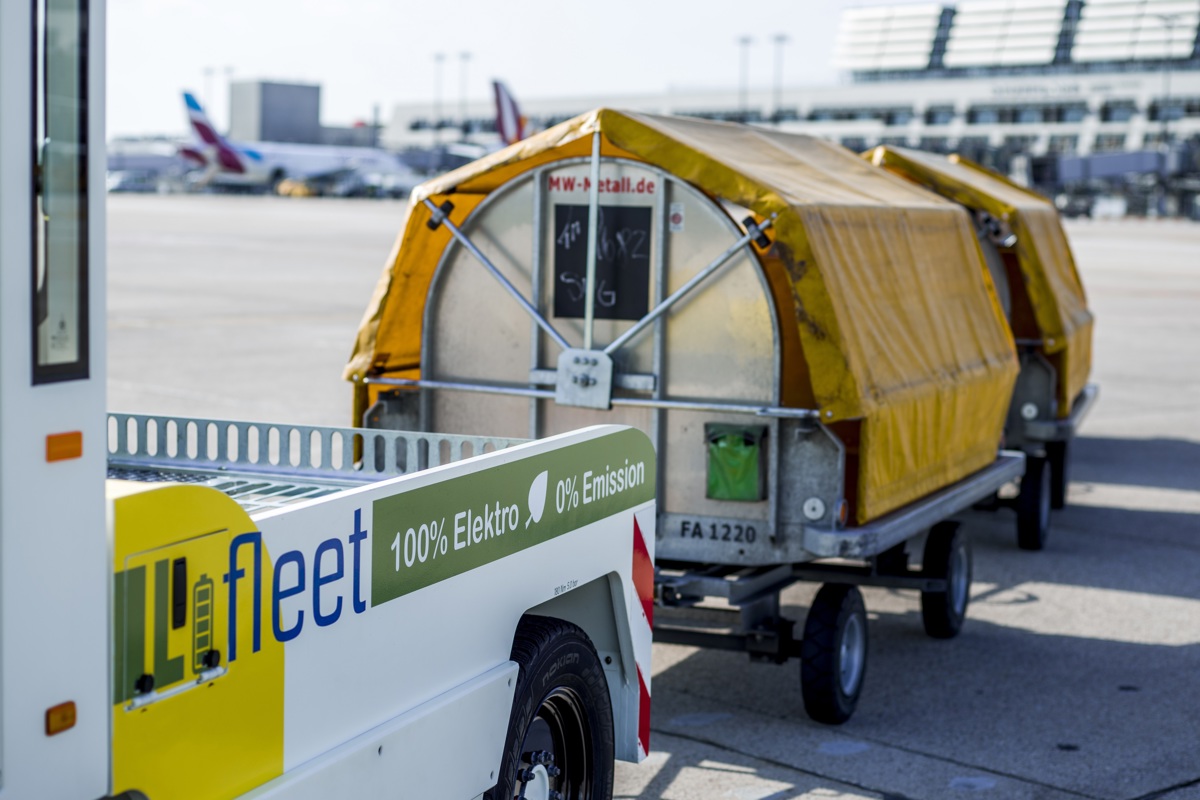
column 1076, row 669
column 1158, row 463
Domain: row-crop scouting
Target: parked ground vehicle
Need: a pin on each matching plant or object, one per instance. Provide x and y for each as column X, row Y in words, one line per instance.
column 1030, row 262
column 813, row 344
column 246, row 608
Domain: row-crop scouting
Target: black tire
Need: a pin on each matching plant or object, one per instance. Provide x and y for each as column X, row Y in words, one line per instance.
column 561, row 707
column 1058, row 454
column 833, row 655
column 1033, row 505
column 947, row 557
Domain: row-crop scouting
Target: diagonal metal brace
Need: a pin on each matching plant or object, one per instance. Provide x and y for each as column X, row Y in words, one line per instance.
column 754, row 233
column 441, row 216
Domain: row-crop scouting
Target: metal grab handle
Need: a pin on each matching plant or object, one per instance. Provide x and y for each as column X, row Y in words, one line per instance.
column 753, row 233
column 441, row 217
column 589, row 302
column 633, row 402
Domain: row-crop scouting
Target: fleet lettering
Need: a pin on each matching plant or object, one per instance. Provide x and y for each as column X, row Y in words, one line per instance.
column 329, row 567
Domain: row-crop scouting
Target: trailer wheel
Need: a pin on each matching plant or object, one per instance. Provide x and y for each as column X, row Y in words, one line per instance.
column 947, row 557
column 833, row 655
column 1033, row 505
column 560, row 731
column 1058, row 455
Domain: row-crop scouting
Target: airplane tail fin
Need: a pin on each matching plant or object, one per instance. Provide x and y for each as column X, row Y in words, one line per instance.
column 226, row 156
column 511, row 126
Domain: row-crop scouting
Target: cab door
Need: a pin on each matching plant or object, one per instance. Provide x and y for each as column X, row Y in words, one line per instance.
column 53, row 551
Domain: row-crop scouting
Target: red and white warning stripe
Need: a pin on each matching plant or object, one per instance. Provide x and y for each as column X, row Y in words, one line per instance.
column 642, row 619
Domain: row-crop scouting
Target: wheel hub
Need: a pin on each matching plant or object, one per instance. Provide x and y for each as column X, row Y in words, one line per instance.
column 535, row 785
column 959, row 581
column 534, row 781
column 851, row 655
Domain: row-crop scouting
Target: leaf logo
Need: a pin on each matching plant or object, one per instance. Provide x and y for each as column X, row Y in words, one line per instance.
column 537, row 498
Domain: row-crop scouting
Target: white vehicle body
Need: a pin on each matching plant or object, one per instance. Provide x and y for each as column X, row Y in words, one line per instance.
column 160, row 640
column 364, row 635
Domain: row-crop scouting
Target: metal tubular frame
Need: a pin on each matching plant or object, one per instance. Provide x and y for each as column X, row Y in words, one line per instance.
column 657, row 399
column 682, row 291
column 589, row 298
column 546, row 394
column 442, row 218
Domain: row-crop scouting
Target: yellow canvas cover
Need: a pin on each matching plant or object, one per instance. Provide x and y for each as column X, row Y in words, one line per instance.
column 1043, row 254
column 898, row 321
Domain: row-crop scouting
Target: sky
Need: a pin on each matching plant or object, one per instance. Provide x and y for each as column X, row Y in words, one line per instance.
column 381, row 52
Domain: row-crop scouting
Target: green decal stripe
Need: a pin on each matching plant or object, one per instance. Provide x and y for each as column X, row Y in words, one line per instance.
column 129, row 631
column 445, row 529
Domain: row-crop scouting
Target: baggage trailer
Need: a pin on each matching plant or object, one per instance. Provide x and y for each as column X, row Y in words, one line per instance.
column 1030, row 263
column 278, row 611
column 812, row 343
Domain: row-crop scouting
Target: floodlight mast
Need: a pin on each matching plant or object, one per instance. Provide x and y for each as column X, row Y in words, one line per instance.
column 1169, row 21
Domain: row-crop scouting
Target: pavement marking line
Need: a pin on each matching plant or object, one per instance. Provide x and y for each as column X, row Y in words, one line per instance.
column 1089, row 612
column 1134, row 498
column 776, row 745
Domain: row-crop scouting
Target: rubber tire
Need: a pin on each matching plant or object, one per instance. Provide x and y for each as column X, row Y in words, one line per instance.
column 1059, row 456
column 942, row 619
column 820, row 653
column 1033, row 505
column 556, row 655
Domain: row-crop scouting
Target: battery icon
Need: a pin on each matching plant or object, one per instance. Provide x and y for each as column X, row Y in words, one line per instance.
column 202, row 616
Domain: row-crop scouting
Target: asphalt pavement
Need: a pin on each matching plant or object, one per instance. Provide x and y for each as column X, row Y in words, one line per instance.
column 1077, row 674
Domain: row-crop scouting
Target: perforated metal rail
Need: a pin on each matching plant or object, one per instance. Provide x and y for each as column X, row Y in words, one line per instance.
column 267, row 465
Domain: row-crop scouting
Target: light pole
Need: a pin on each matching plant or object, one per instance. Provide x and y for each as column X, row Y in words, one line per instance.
column 744, row 42
column 228, row 97
column 438, row 58
column 208, row 75
column 463, row 58
column 1164, row 110
column 210, row 102
column 1169, row 21
column 780, row 40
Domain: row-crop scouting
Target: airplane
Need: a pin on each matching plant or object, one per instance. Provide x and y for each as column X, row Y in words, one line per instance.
column 264, row 165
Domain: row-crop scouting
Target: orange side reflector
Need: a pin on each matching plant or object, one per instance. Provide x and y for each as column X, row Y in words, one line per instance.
column 64, row 446
column 60, row 718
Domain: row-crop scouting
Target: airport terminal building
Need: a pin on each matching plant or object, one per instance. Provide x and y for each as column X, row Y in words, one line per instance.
column 1010, row 83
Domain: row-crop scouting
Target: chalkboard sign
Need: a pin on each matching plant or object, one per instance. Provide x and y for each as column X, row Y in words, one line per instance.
column 622, row 287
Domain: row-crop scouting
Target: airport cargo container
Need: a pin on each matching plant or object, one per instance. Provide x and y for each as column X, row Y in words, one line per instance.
column 812, row 343
column 1030, row 262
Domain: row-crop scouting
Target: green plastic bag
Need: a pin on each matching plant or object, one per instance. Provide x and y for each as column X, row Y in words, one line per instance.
column 735, row 462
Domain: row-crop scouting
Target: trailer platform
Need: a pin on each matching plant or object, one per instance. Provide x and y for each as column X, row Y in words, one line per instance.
column 833, row 648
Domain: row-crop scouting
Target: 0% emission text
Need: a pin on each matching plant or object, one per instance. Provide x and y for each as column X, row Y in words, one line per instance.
column 566, row 494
